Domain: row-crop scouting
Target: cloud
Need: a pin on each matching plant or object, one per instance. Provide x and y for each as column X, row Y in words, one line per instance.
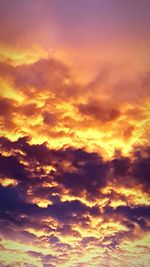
column 74, row 151
column 7, row 110
column 131, row 213
column 45, row 102
column 49, row 118
column 48, row 75
column 141, row 170
column 87, row 173
column 98, row 111
column 42, row 75
column 121, row 166
column 11, row 167
column 65, row 193
column 29, row 110
column 136, row 167
column 86, row 218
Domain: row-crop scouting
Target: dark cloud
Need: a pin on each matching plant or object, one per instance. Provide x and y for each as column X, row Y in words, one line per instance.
column 12, row 200
column 67, row 211
column 89, row 175
column 129, row 216
column 141, row 171
column 36, row 153
column 80, row 172
column 133, row 171
column 121, row 166
column 10, row 167
column 71, row 210
column 135, row 212
column 98, row 111
column 53, row 239
column 86, row 174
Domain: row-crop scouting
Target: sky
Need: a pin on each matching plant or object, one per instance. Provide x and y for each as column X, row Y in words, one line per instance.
column 74, row 133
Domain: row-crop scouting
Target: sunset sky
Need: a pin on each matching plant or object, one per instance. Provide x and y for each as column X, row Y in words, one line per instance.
column 74, row 133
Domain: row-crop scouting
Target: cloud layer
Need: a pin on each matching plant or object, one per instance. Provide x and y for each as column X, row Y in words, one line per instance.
column 74, row 134
column 67, row 200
